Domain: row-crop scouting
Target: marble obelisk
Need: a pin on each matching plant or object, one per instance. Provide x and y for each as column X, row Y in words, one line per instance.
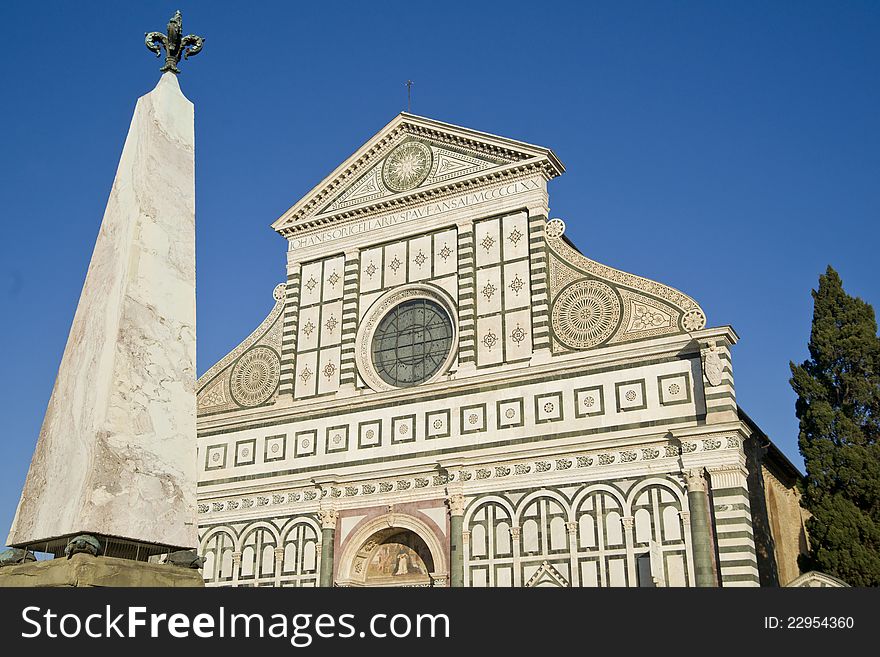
column 116, row 455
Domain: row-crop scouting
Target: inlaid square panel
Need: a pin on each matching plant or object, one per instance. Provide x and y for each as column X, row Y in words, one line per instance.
column 473, row 418
column 489, row 291
column 309, row 328
column 310, row 284
column 674, row 389
column 215, row 457
column 246, row 452
column 306, row 443
column 306, row 374
column 336, row 439
column 515, row 236
column 403, row 429
column 589, row 401
column 509, row 413
column 548, row 407
column 445, row 252
column 490, row 340
column 487, row 242
column 275, row 448
column 420, row 258
column 516, row 285
column 334, row 271
column 331, row 324
column 631, row 395
column 370, row 434
column 328, row 370
column 371, row 270
column 395, row 264
column 437, row 424
column 518, row 335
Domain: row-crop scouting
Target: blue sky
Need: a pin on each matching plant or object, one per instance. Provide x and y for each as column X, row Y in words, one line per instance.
column 731, row 150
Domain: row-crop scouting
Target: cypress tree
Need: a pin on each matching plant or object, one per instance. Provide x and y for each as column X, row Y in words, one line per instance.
column 838, row 407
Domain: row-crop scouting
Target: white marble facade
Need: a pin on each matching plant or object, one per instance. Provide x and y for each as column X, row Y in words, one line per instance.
column 548, row 439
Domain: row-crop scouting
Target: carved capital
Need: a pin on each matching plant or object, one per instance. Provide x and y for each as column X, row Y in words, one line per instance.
column 279, row 555
column 627, row 522
column 514, row 533
column 438, row 580
column 728, row 476
column 572, row 527
column 328, row 517
column 465, row 538
column 695, row 479
column 236, row 558
column 685, row 517
column 455, row 502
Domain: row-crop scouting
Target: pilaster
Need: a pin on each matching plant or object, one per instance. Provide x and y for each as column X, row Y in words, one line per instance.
column 738, row 562
column 540, row 299
column 455, row 501
column 351, row 295
column 467, row 354
column 288, row 336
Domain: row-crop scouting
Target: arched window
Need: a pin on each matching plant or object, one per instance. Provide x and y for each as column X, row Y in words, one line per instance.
column 659, row 534
column 490, row 553
column 601, row 548
column 258, row 557
column 217, row 551
column 300, row 565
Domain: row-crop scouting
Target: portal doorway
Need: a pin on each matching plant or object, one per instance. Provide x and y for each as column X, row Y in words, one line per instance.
column 400, row 558
column 394, row 549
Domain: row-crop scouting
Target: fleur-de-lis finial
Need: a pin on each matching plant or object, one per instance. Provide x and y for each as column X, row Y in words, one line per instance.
column 174, row 44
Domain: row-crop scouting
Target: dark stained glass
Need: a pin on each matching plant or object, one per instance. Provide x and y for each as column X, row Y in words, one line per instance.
column 411, row 343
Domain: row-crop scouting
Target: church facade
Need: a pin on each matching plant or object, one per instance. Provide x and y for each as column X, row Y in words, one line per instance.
column 448, row 393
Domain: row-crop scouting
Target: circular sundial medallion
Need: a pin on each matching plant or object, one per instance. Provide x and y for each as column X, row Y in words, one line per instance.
column 255, row 376
column 407, row 166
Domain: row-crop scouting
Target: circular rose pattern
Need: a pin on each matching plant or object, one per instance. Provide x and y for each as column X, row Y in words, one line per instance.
column 255, row 376
column 585, row 314
column 407, row 166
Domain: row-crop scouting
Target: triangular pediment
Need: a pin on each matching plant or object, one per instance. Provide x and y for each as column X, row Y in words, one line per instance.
column 413, row 158
column 547, row 575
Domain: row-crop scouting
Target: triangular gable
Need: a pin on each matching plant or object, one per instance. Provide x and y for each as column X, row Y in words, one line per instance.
column 816, row 579
column 413, row 158
column 547, row 575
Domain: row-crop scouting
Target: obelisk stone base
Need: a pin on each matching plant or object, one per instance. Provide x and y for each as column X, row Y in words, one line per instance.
column 83, row 570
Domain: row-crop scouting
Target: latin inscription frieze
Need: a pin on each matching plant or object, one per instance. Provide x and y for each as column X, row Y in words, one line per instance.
column 421, row 212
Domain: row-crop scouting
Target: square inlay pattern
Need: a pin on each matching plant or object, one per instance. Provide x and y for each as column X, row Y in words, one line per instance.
column 631, row 395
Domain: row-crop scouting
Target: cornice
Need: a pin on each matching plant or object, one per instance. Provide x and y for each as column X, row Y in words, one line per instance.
column 469, row 477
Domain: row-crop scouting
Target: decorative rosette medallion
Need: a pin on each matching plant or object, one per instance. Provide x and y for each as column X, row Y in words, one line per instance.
column 585, row 314
column 255, row 376
column 407, row 166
